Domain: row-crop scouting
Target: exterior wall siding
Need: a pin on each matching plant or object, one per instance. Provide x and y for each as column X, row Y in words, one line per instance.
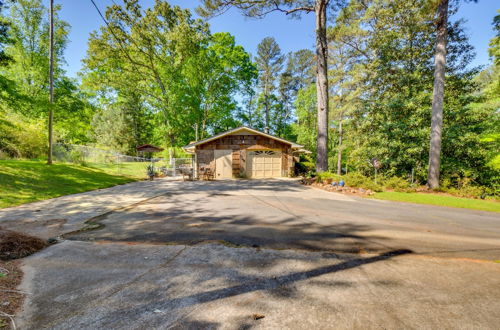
column 240, row 144
column 205, row 159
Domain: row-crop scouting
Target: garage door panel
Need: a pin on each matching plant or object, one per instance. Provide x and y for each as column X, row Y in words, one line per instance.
column 264, row 163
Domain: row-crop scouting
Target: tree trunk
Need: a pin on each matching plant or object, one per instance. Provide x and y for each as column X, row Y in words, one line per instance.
column 438, row 96
column 322, row 86
column 250, row 110
column 204, row 122
column 339, row 158
column 266, row 105
column 51, row 81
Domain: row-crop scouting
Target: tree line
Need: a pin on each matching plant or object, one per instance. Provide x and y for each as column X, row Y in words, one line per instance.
column 159, row 75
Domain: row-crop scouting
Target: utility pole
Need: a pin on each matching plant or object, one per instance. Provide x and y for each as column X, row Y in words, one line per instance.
column 51, row 79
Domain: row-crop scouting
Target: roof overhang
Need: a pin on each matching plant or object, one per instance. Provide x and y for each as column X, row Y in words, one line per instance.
column 302, row 151
column 190, row 148
column 148, row 148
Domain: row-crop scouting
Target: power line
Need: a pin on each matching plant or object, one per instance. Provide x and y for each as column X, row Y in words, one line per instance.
column 129, row 37
column 134, row 63
column 113, row 33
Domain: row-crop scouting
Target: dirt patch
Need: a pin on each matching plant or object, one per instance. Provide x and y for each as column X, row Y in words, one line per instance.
column 11, row 299
column 15, row 245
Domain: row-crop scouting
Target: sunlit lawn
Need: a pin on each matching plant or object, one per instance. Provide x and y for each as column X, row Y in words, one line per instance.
column 23, row 181
column 441, row 200
column 131, row 169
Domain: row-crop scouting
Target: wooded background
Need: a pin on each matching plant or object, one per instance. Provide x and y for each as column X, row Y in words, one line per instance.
column 160, row 76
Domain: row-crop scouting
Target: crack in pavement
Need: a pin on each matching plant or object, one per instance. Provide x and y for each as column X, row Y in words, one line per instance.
column 120, row 287
column 95, row 219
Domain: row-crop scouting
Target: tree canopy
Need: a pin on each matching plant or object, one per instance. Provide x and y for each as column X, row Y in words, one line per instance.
column 181, row 74
column 158, row 75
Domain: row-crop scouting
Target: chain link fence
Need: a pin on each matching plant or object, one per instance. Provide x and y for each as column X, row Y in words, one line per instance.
column 116, row 163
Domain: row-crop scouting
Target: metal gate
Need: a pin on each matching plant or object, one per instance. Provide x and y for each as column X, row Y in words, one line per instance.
column 179, row 165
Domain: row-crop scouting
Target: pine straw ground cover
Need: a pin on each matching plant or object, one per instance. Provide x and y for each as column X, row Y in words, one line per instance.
column 13, row 245
column 11, row 299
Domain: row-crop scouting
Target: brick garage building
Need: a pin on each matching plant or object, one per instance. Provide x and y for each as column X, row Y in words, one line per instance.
column 244, row 152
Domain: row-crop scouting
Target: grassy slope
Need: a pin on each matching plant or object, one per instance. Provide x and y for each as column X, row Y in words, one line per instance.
column 132, row 169
column 440, row 200
column 28, row 181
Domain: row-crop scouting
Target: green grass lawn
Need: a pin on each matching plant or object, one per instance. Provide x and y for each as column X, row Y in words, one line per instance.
column 440, row 200
column 131, row 169
column 24, row 181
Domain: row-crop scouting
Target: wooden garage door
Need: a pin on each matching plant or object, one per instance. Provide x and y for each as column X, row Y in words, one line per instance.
column 223, row 164
column 264, row 164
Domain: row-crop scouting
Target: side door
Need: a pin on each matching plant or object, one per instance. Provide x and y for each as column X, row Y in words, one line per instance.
column 223, row 164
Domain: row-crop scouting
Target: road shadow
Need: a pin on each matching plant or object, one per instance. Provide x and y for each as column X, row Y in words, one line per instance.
column 284, row 280
column 162, row 300
column 173, row 219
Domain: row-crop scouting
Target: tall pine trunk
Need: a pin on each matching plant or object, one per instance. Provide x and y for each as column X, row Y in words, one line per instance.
column 322, row 86
column 339, row 156
column 266, row 105
column 438, row 96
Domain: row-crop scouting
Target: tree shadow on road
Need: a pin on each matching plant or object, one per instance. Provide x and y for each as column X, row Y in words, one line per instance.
column 162, row 299
column 273, row 283
column 186, row 225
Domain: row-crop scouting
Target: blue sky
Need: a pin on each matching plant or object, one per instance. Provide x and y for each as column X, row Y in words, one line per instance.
column 290, row 34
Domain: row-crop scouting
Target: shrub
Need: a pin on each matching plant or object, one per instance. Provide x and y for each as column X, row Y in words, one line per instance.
column 323, row 176
column 77, row 157
column 22, row 138
column 396, row 183
column 355, row 179
column 467, row 191
column 462, row 184
column 305, row 168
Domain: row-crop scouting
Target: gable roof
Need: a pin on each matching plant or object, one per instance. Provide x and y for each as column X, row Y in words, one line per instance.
column 148, row 148
column 241, row 128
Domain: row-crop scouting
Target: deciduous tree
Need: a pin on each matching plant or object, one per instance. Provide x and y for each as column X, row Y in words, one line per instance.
column 186, row 76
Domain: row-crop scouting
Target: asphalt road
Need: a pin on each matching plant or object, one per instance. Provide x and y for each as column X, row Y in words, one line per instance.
column 256, row 254
column 285, row 215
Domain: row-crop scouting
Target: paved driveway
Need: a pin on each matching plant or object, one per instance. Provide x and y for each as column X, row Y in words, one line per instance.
column 82, row 285
column 210, row 255
column 283, row 214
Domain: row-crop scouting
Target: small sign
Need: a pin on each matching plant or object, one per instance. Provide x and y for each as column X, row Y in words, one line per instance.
column 376, row 163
